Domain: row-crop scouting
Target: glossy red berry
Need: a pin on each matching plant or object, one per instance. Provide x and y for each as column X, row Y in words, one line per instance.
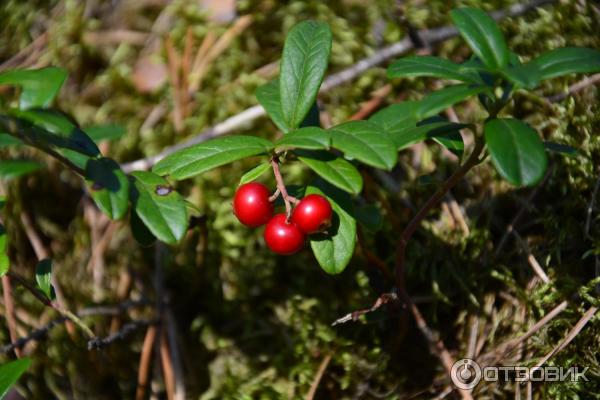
column 283, row 237
column 313, row 214
column 251, row 204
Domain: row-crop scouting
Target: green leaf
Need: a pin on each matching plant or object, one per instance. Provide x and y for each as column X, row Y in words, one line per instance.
column 311, row 138
column 160, row 207
column 334, row 170
column 4, row 261
column 483, row 35
column 39, row 86
column 43, row 277
column 444, row 98
column 423, row 131
column 140, row 232
column 517, row 151
column 108, row 186
column 64, row 132
column 567, row 60
column 7, row 140
column 303, row 64
column 110, row 132
column 205, row 156
column 430, row 66
column 560, row 148
column 254, row 173
column 334, row 249
column 396, row 117
column 365, row 142
column 11, row 169
column 524, row 75
column 10, row 373
column 268, row 97
column 453, row 141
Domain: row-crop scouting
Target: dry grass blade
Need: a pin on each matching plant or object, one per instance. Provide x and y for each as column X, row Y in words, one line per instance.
column 318, row 377
column 145, row 358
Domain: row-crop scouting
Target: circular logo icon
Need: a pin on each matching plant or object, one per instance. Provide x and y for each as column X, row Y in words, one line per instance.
column 465, row 374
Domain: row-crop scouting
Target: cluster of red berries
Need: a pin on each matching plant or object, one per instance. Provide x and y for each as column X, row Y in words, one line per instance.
column 253, row 206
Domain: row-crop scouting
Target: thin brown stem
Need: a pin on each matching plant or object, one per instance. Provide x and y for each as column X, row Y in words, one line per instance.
column 287, row 199
column 412, row 226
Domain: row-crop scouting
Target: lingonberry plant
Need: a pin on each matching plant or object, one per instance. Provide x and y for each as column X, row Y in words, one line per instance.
column 328, row 210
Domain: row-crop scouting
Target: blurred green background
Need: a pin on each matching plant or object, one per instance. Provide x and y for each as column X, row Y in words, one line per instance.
column 251, row 325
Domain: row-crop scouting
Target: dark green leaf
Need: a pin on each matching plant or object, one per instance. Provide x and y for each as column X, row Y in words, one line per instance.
column 254, row 173
column 516, row 150
column 268, row 97
column 205, row 156
column 453, row 141
column 303, row 64
column 365, row 142
column 160, row 207
column 334, row 170
column 430, row 66
column 313, row 118
column 11, row 169
column 10, row 373
column 444, row 98
column 4, row 261
column 140, row 232
column 334, row 249
column 397, row 117
column 108, row 186
column 43, row 277
column 567, row 60
column 561, row 149
column 419, row 133
column 99, row 133
column 524, row 75
column 64, row 132
column 311, row 138
column 369, row 216
column 39, row 86
column 483, row 36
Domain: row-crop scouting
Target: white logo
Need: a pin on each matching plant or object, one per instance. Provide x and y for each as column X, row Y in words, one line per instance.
column 465, row 374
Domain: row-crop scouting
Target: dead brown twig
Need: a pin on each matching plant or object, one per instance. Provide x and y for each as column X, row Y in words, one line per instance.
column 317, row 380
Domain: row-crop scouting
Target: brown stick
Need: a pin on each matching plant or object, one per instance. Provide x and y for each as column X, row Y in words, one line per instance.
column 145, row 357
column 165, row 357
column 320, row 372
column 432, row 202
column 576, row 87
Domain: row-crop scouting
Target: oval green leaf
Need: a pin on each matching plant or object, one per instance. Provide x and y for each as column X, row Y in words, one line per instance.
column 483, row 35
column 516, row 150
column 523, row 75
column 268, row 97
column 567, row 60
column 39, row 86
column 441, row 99
column 205, row 156
column 43, row 277
column 396, row 117
column 10, row 373
column 303, row 64
column 365, row 142
column 108, row 186
column 254, row 173
column 423, row 131
column 311, row 138
column 109, row 132
column 334, row 249
column 11, row 169
column 160, row 207
column 430, row 66
column 334, row 170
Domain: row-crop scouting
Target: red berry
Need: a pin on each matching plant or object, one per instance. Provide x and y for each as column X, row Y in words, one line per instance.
column 312, row 214
column 283, row 237
column 251, row 204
